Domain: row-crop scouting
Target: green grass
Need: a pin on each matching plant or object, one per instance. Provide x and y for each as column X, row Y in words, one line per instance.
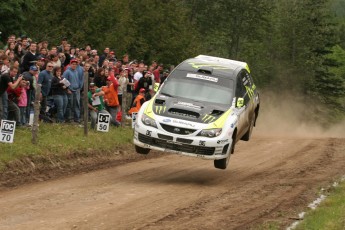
column 330, row 214
column 62, row 139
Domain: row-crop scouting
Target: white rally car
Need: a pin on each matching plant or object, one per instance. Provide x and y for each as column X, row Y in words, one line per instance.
column 202, row 109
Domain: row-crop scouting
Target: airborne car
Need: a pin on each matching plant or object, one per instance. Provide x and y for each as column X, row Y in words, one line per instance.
column 202, row 109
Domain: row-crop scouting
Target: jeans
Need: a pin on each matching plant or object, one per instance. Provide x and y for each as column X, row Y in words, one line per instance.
column 61, row 106
column 73, row 106
column 22, row 110
column 113, row 110
column 4, row 106
column 94, row 116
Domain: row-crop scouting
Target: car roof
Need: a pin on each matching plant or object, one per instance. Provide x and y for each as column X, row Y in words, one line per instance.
column 214, row 65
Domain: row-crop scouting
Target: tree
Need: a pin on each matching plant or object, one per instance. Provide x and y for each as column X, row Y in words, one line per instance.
column 12, row 15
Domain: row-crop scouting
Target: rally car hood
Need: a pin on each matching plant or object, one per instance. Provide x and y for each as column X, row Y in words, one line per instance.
column 182, row 108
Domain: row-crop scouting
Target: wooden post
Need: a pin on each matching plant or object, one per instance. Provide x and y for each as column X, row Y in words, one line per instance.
column 124, row 108
column 36, row 114
column 86, row 102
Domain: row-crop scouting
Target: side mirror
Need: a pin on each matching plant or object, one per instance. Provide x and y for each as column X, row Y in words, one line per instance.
column 240, row 102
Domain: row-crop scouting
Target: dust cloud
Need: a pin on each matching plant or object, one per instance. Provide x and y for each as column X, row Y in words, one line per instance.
column 283, row 115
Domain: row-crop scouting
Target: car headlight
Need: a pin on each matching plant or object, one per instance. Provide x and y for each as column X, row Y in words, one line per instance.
column 148, row 121
column 210, row 132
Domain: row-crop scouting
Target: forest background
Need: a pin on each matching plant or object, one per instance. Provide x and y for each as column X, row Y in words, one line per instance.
column 290, row 45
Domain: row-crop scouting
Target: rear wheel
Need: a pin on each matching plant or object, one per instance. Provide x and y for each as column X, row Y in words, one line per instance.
column 248, row 134
column 223, row 163
column 141, row 150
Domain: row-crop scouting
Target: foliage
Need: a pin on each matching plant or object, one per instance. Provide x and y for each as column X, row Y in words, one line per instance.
column 12, row 16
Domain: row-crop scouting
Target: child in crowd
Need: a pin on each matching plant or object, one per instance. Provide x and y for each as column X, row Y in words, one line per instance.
column 23, row 99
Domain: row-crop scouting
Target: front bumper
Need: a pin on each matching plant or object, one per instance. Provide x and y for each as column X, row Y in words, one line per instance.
column 195, row 146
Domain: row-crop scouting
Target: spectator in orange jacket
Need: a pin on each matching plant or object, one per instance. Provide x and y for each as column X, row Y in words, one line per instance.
column 138, row 102
column 111, row 98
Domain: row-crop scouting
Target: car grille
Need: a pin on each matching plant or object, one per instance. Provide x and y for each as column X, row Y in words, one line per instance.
column 166, row 137
column 177, row 130
column 177, row 147
column 182, row 140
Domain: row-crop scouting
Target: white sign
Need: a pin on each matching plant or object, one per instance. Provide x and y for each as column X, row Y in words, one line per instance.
column 134, row 118
column 7, row 131
column 103, row 122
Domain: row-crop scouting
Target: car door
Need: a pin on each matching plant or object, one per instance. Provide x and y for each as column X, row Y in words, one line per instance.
column 243, row 82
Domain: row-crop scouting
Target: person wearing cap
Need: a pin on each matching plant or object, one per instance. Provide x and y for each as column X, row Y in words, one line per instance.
column 41, row 63
column 138, row 102
column 45, row 79
column 111, row 98
column 30, row 76
column 96, row 103
column 71, row 74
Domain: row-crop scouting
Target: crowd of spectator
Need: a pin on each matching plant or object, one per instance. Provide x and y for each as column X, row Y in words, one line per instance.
column 61, row 70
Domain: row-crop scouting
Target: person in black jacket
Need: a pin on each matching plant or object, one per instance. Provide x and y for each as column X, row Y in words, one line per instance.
column 59, row 93
column 29, row 58
column 145, row 82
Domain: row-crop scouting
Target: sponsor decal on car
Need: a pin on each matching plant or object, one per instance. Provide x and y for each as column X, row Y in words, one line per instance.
column 208, row 118
column 160, row 109
column 202, row 77
column 214, row 66
column 189, row 105
column 183, row 123
column 222, row 141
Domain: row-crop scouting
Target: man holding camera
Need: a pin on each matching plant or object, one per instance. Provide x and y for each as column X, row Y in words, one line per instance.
column 7, row 82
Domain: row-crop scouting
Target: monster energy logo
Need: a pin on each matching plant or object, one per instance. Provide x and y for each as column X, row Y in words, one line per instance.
column 250, row 91
column 208, row 118
column 160, row 109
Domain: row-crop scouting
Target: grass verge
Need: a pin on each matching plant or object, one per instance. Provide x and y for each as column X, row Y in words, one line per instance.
column 330, row 214
column 60, row 139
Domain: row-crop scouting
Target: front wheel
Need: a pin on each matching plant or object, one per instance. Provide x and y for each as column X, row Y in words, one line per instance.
column 223, row 163
column 141, row 150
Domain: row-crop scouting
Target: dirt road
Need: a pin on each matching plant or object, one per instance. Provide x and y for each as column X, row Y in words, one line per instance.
column 269, row 179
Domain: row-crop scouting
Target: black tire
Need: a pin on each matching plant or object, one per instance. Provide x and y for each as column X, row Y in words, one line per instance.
column 248, row 134
column 223, row 163
column 141, row 150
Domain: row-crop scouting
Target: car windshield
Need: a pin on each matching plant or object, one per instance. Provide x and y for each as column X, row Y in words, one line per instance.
column 199, row 87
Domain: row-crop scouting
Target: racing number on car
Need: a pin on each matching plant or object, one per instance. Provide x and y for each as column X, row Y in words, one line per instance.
column 148, row 133
column 201, row 143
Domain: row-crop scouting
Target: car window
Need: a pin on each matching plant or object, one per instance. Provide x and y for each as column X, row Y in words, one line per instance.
column 199, row 87
column 243, row 81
